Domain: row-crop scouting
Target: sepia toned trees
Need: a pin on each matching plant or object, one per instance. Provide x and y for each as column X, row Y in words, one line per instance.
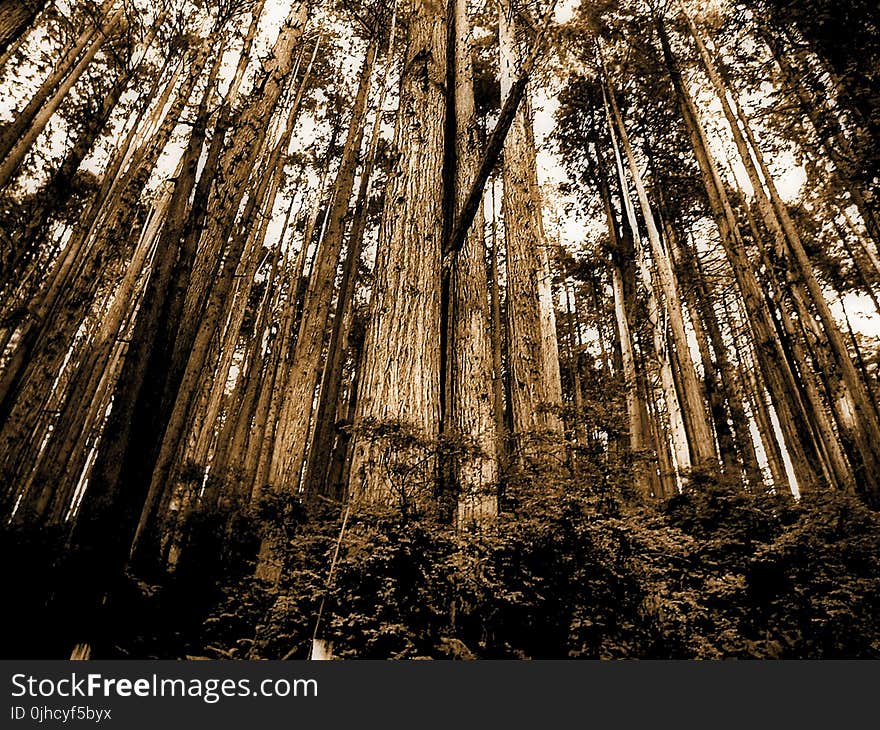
column 259, row 258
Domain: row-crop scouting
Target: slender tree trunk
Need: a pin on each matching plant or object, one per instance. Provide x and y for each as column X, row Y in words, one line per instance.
column 69, row 56
column 534, row 377
column 756, row 393
column 53, row 472
column 235, row 166
column 573, row 358
column 496, row 332
column 711, row 383
column 864, row 432
column 734, row 397
column 700, row 439
column 470, row 407
column 291, row 438
column 56, row 194
column 792, row 338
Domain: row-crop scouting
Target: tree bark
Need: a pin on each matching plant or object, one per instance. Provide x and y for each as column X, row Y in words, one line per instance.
column 470, row 407
column 398, row 410
column 534, row 372
column 16, row 17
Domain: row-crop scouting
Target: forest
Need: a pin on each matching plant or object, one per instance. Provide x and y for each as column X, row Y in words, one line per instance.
column 407, row 329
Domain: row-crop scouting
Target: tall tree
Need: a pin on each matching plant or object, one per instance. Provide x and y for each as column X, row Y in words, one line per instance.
column 470, row 405
column 533, row 358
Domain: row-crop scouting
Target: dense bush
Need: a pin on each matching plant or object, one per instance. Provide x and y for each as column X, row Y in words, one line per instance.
column 715, row 572
column 566, row 571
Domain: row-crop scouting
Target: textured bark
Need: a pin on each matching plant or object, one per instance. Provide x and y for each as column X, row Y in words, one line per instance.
column 16, row 16
column 398, row 411
column 533, row 372
column 470, row 406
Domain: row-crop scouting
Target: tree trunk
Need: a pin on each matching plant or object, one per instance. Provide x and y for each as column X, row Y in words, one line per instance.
column 534, row 376
column 235, row 167
column 700, row 439
column 497, row 334
column 733, row 396
column 291, row 438
column 470, row 407
column 16, row 16
column 398, row 411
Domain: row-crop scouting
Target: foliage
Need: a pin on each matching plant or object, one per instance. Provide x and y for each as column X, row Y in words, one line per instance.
column 713, row 573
